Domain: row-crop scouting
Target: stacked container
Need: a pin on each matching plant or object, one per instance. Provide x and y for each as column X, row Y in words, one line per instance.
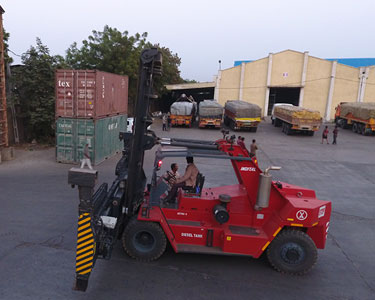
column 91, row 107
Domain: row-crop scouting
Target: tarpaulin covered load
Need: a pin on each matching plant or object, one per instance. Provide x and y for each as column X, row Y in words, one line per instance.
column 182, row 108
column 209, row 108
column 359, row 110
column 297, row 112
column 242, row 109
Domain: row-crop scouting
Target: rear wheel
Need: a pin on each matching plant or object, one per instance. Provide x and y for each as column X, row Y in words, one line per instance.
column 144, row 241
column 355, row 127
column 288, row 129
column 292, row 252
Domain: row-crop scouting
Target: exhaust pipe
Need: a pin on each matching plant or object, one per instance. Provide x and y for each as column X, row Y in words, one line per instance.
column 264, row 188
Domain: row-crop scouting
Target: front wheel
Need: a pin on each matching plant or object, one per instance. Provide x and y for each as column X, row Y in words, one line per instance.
column 144, row 241
column 292, row 252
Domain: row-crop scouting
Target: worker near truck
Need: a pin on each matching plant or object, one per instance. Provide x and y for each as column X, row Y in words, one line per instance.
column 325, row 135
column 164, row 119
column 335, row 132
column 253, row 149
column 188, row 180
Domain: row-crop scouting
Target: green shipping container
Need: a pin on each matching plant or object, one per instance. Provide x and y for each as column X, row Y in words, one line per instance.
column 102, row 135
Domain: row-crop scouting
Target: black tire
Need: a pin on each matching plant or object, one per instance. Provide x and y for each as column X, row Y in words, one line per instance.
column 144, row 241
column 232, row 125
column 254, row 129
column 292, row 252
column 355, row 127
column 288, row 129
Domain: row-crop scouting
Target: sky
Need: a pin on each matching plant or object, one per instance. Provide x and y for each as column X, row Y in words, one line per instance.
column 201, row 32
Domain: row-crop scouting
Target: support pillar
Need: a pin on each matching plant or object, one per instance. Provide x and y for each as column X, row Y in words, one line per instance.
column 303, row 79
column 327, row 115
column 217, row 87
column 269, row 72
column 240, row 97
column 363, row 75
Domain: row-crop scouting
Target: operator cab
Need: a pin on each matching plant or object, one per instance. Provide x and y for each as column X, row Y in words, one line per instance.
column 206, row 154
column 160, row 187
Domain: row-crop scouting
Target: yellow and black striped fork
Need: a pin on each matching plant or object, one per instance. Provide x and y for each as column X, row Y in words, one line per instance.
column 85, row 247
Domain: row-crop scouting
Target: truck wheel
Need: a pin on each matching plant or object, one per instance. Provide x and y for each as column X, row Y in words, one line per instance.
column 288, row 130
column 343, row 123
column 364, row 130
column 292, row 252
column 355, row 127
column 144, row 241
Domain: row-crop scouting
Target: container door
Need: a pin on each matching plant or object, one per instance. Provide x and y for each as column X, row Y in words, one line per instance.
column 85, row 94
column 65, row 140
column 64, row 89
column 100, row 140
column 85, row 134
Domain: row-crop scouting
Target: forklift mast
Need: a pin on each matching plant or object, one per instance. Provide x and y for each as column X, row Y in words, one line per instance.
column 102, row 215
column 142, row 139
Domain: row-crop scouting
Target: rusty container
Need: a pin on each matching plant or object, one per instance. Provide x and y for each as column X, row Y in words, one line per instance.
column 90, row 94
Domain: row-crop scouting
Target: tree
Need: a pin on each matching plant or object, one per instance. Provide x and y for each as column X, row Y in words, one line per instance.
column 118, row 52
column 7, row 58
column 34, row 86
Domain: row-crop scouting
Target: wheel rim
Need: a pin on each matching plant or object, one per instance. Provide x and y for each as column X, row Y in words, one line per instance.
column 292, row 253
column 144, row 241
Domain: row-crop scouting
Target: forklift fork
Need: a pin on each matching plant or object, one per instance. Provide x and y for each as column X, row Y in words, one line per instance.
column 86, row 245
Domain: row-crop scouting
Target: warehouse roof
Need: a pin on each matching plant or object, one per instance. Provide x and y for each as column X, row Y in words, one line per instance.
column 353, row 62
column 185, row 86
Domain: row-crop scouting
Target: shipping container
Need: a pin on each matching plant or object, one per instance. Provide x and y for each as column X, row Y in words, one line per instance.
column 90, row 94
column 102, row 135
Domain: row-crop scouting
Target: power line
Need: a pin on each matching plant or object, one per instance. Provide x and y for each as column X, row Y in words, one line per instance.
column 14, row 53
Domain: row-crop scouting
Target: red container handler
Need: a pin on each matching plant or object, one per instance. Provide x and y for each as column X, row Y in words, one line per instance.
column 90, row 94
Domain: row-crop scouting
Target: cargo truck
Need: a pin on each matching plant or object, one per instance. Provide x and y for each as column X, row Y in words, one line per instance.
column 183, row 111
column 210, row 114
column 241, row 115
column 358, row 116
column 295, row 119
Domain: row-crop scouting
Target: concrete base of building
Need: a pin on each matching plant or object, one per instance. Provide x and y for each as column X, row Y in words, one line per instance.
column 7, row 154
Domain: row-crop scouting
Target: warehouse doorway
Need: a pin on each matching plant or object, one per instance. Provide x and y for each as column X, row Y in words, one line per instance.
column 283, row 95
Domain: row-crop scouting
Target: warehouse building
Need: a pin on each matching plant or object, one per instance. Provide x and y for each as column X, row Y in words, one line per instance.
column 298, row 78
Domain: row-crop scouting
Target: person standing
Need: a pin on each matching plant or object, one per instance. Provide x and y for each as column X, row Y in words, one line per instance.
column 325, row 135
column 164, row 122
column 335, row 132
column 86, row 157
column 253, row 149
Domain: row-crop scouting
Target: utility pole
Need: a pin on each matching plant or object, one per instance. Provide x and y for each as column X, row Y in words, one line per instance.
column 6, row 153
column 3, row 101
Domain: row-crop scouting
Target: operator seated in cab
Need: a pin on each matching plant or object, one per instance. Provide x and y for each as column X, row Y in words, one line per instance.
column 188, row 180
